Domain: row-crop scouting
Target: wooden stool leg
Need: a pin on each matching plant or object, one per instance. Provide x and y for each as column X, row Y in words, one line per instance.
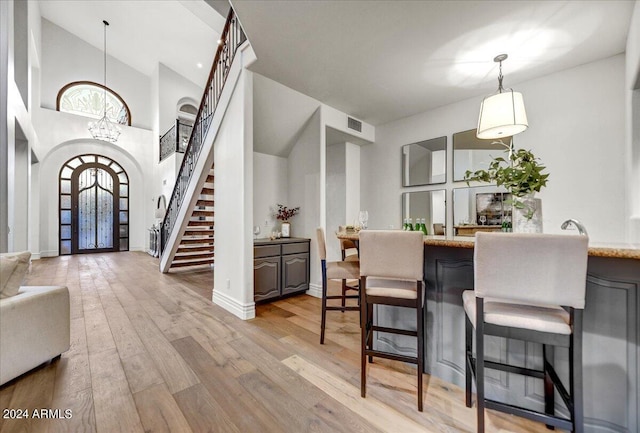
column 369, row 332
column 420, row 329
column 323, row 320
column 468, row 343
column 575, row 375
column 549, row 390
column 480, row 363
column 344, row 293
column 363, row 343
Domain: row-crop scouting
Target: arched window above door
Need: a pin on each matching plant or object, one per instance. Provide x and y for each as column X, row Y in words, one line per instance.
column 87, row 99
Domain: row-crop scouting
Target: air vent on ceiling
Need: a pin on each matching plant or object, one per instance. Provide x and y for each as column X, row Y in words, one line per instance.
column 354, row 124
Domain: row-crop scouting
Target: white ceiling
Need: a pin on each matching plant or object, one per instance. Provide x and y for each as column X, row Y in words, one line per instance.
column 383, row 60
column 180, row 34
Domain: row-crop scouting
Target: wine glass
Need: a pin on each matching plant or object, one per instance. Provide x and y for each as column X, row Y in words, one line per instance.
column 256, row 231
column 364, row 218
column 483, row 219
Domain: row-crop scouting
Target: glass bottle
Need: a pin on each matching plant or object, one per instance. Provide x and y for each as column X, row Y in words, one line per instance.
column 424, row 227
column 404, row 225
column 410, row 225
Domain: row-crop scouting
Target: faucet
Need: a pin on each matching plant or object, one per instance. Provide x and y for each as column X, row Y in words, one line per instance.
column 581, row 228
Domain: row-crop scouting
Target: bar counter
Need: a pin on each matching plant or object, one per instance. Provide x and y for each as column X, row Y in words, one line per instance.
column 611, row 356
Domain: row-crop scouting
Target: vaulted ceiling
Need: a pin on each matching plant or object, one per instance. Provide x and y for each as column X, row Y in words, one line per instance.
column 383, row 60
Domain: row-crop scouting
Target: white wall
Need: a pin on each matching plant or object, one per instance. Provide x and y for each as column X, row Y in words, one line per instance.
column 233, row 156
column 67, row 58
column 632, row 104
column 352, row 181
column 270, row 187
column 336, row 197
column 305, row 182
column 172, row 88
column 576, row 129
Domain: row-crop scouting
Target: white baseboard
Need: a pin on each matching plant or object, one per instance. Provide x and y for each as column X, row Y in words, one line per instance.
column 50, row 253
column 243, row 311
column 315, row 290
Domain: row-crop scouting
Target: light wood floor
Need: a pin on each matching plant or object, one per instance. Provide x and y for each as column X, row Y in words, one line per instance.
column 149, row 353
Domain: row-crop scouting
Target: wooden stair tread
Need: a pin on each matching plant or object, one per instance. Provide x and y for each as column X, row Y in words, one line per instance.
column 197, row 256
column 200, row 224
column 198, row 232
column 203, row 202
column 203, row 241
column 194, row 248
column 202, row 212
column 209, row 178
column 194, row 263
column 207, row 191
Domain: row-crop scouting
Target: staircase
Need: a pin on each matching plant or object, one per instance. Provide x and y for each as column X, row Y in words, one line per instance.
column 187, row 231
column 196, row 247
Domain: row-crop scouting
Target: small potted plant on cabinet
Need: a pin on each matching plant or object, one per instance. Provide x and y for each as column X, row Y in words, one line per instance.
column 284, row 214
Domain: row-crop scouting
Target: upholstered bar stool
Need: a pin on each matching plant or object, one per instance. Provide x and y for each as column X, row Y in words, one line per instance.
column 528, row 287
column 391, row 273
column 341, row 270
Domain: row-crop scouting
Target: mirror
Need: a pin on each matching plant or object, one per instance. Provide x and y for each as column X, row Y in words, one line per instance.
column 424, row 163
column 480, row 208
column 471, row 153
column 430, row 205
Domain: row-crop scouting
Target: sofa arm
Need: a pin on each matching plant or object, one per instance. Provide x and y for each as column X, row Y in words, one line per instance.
column 34, row 328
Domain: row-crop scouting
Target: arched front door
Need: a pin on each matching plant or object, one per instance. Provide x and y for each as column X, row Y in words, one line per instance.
column 94, row 206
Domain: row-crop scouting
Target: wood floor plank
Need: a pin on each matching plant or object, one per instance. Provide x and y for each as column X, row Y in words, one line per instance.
column 298, row 388
column 80, row 419
column 6, row 391
column 141, row 372
column 115, row 409
column 203, row 413
column 159, row 412
column 240, row 405
column 23, row 398
column 173, row 368
column 292, row 416
column 380, row 415
column 342, row 419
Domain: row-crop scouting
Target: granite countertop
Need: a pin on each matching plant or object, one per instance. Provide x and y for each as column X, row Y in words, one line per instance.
column 267, row 241
column 596, row 249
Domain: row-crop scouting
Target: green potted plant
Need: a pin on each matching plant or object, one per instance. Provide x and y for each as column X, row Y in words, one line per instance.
column 522, row 174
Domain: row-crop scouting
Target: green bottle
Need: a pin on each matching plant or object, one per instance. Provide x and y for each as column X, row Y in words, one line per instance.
column 423, row 227
column 404, row 225
column 410, row 225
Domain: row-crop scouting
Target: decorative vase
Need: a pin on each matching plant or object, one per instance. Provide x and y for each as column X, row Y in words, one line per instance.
column 286, row 229
column 529, row 218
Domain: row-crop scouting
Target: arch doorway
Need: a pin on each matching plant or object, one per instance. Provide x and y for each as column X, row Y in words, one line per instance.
column 94, row 206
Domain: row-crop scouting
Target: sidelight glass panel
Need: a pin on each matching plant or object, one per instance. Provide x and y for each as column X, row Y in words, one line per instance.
column 65, row 202
column 65, row 217
column 65, row 247
column 124, row 190
column 65, row 232
column 65, row 186
column 124, row 217
column 124, row 204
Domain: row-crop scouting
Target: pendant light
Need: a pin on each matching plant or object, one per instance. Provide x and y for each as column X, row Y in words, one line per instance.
column 501, row 114
column 104, row 129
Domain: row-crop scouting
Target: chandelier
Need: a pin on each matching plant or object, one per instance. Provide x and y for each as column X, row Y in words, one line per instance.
column 104, row 129
column 502, row 114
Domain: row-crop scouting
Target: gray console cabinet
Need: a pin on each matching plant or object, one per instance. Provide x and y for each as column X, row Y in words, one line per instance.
column 280, row 267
